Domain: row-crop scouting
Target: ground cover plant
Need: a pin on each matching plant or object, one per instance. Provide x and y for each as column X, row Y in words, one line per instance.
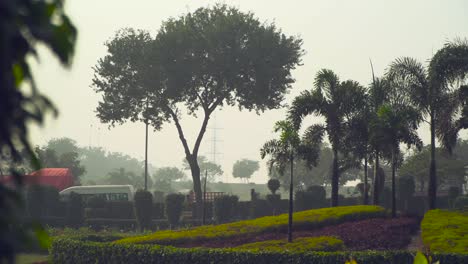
column 367, row 234
column 302, row 244
column 445, row 231
column 311, row 219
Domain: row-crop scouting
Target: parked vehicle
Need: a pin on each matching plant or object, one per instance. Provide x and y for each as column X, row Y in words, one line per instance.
column 108, row 192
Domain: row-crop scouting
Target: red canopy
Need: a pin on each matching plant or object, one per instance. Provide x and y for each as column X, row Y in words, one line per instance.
column 60, row 178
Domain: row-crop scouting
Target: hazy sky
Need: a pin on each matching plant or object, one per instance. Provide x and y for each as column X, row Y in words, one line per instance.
column 339, row 35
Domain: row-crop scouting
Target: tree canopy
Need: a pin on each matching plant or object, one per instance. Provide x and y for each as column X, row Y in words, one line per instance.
column 244, row 168
column 200, row 61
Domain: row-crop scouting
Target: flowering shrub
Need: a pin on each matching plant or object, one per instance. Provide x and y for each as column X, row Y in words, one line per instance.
column 445, row 231
column 311, row 219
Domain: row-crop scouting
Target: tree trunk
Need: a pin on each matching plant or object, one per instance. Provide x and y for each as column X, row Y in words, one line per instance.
column 195, row 170
column 291, row 203
column 375, row 194
column 366, row 194
column 393, row 185
column 335, row 179
column 432, row 190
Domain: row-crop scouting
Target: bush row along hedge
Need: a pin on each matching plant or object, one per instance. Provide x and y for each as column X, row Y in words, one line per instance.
column 305, row 219
column 445, row 231
column 65, row 250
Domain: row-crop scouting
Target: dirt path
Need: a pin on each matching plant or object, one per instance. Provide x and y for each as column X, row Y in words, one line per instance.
column 416, row 243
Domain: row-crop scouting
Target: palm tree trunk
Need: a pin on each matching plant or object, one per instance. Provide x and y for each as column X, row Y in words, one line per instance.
column 366, row 194
column 375, row 194
column 291, row 190
column 432, row 190
column 393, row 184
column 335, row 178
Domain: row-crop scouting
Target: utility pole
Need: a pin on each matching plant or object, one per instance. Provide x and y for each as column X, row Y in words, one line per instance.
column 146, row 150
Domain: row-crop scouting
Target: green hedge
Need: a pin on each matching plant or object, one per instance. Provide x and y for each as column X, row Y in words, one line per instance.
column 445, row 231
column 65, row 250
column 302, row 220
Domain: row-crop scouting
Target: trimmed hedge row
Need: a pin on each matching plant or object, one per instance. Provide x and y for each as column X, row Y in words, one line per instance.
column 65, row 250
column 445, row 231
column 302, row 220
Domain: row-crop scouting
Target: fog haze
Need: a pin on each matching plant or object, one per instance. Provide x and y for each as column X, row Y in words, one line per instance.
column 339, row 35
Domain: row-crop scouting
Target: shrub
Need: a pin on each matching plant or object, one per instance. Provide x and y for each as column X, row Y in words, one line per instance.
column 445, row 231
column 313, row 197
column 274, row 202
column 174, row 207
column 311, row 219
column 243, row 210
column 259, row 208
column 75, row 206
column 65, row 250
column 224, row 208
column 121, row 209
column 273, row 185
column 302, row 244
column 96, row 213
column 461, row 203
column 143, row 206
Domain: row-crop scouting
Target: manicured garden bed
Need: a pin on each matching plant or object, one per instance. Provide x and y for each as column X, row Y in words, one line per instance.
column 445, row 231
column 305, row 220
column 369, row 234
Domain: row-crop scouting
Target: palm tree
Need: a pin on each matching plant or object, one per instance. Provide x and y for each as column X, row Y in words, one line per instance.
column 400, row 122
column 336, row 101
column 433, row 90
column 288, row 147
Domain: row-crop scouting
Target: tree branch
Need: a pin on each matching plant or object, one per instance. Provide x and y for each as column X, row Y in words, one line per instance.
column 180, row 131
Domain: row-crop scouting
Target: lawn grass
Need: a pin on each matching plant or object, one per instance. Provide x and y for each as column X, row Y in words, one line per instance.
column 310, row 219
column 445, row 231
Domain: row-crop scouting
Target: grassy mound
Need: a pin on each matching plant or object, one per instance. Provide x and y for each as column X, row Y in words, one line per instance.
column 302, row 220
column 445, row 231
column 302, row 244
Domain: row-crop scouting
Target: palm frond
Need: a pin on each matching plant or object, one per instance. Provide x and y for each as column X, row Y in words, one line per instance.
column 305, row 104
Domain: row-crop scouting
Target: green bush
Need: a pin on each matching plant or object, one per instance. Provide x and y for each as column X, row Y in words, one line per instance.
column 461, row 203
column 66, row 251
column 243, row 210
column 302, row 244
column 312, row 198
column 274, row 202
column 143, row 202
column 75, row 216
column 224, row 208
column 302, row 220
column 174, row 207
column 445, row 231
column 121, row 209
column 260, row 208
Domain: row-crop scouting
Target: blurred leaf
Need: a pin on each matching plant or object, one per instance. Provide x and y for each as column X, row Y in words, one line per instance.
column 420, row 258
